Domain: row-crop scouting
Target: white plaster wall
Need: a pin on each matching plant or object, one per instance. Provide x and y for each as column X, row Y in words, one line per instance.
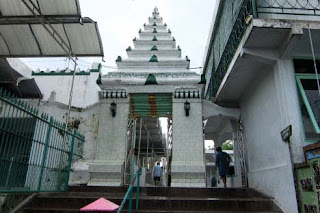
column 56, row 88
column 270, row 105
column 112, row 131
column 89, row 121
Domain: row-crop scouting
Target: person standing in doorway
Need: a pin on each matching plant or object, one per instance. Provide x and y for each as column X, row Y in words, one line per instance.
column 222, row 162
column 157, row 172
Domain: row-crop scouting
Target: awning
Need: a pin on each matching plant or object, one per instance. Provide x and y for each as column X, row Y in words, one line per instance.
column 47, row 8
column 14, row 82
column 23, row 35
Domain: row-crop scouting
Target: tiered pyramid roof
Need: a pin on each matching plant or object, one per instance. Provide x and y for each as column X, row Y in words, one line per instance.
column 154, row 52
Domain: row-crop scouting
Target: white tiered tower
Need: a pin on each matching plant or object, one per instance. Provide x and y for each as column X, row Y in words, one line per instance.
column 153, row 66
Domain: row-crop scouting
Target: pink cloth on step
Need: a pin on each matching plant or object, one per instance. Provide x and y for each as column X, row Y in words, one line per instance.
column 100, row 205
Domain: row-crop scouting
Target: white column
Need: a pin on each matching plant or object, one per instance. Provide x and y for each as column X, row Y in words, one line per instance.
column 187, row 168
column 107, row 167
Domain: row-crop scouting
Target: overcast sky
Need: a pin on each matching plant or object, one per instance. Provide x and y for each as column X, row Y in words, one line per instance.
column 120, row 20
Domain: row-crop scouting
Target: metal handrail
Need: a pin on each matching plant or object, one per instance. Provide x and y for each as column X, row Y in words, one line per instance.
column 130, row 192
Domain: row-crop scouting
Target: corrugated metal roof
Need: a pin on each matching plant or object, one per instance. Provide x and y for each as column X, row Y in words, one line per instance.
column 32, row 40
column 23, row 35
column 47, row 8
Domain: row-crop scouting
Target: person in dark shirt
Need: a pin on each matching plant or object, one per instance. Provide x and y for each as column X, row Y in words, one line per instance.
column 222, row 162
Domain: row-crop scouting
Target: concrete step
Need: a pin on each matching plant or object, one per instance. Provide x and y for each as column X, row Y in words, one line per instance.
column 159, row 199
column 160, row 203
column 46, row 210
column 176, row 191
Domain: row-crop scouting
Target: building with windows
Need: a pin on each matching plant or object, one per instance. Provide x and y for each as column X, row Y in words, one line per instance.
column 262, row 59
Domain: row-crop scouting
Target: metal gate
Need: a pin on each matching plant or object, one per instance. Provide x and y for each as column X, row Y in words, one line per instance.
column 36, row 151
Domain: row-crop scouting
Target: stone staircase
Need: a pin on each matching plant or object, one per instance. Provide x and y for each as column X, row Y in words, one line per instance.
column 159, row 199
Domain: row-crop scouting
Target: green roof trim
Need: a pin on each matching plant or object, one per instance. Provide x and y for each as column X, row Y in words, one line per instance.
column 140, row 31
column 169, row 31
column 63, row 72
column 187, row 59
column 154, row 48
column 154, row 24
column 154, row 30
column 128, row 49
column 134, row 39
column 154, row 58
column 42, row 73
column 173, row 39
column 154, row 17
column 151, row 80
column 119, row 59
column 144, row 24
column 154, row 38
column 179, row 48
column 165, row 24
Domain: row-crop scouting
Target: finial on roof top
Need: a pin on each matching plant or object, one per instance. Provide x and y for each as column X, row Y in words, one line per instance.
column 119, row 59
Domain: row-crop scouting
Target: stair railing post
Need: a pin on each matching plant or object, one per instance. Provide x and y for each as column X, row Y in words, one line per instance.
column 130, row 200
column 138, row 189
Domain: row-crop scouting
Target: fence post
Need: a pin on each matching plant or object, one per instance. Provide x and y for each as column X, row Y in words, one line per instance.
column 254, row 8
column 45, row 151
column 70, row 157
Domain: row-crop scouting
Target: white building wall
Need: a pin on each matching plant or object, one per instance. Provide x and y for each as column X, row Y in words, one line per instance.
column 269, row 106
column 56, row 88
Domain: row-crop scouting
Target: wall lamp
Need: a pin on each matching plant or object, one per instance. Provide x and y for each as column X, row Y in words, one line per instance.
column 286, row 133
column 113, row 109
column 187, row 107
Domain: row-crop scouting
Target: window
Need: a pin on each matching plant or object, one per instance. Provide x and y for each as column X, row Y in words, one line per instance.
column 310, row 104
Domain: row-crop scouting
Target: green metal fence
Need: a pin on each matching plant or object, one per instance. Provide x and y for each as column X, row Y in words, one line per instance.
column 36, row 151
column 232, row 21
column 227, row 37
column 289, row 7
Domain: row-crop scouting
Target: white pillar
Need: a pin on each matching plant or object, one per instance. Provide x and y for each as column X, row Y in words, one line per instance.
column 106, row 169
column 187, row 168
